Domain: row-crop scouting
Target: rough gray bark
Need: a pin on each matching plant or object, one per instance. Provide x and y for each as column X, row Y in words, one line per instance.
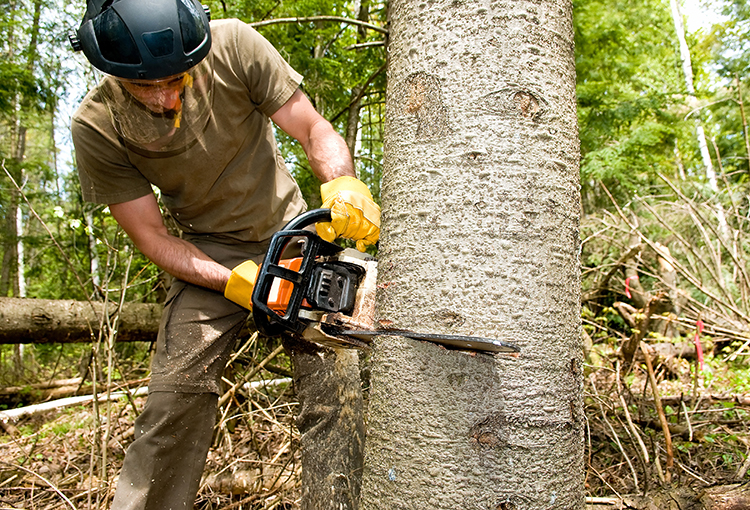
column 479, row 236
column 25, row 321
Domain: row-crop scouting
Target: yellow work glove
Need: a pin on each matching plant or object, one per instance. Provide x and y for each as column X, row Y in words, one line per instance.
column 241, row 282
column 354, row 215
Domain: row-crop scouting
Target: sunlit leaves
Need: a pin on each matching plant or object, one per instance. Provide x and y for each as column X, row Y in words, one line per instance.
column 628, row 81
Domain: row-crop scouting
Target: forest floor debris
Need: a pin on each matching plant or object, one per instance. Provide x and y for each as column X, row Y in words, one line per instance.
column 53, row 460
column 47, row 459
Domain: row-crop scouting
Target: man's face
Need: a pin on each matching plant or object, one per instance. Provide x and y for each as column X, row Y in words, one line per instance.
column 159, row 96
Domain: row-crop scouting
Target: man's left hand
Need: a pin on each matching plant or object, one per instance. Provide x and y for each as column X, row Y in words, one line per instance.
column 354, row 214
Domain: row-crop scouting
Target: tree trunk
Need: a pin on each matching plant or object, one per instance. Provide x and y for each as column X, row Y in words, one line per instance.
column 687, row 73
column 481, row 210
column 352, row 121
column 25, row 321
column 96, row 280
column 700, row 134
column 19, row 155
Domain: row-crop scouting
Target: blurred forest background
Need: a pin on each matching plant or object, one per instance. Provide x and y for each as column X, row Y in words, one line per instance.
column 663, row 90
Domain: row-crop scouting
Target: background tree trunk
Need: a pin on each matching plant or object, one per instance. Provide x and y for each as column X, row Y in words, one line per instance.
column 25, row 321
column 480, row 236
column 687, row 73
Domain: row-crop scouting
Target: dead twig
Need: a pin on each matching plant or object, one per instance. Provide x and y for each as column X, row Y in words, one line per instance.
column 43, row 479
column 657, row 305
column 615, row 436
column 644, row 457
column 688, row 275
column 229, row 393
column 659, row 410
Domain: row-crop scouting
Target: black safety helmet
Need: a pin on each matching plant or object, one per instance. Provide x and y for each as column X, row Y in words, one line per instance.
column 143, row 39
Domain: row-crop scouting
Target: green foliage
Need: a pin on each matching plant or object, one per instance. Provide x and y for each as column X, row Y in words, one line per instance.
column 17, row 81
column 604, row 325
column 627, row 66
column 732, row 51
column 727, row 54
column 334, row 72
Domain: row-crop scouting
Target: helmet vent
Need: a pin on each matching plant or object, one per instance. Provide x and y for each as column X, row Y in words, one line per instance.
column 160, row 43
column 192, row 27
column 106, row 5
column 115, row 41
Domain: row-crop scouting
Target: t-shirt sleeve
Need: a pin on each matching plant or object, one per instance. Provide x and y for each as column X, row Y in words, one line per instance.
column 106, row 175
column 270, row 79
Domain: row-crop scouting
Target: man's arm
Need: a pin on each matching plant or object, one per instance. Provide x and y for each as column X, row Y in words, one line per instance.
column 326, row 150
column 141, row 220
column 354, row 214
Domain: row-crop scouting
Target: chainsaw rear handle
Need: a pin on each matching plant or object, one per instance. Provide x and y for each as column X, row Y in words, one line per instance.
column 268, row 321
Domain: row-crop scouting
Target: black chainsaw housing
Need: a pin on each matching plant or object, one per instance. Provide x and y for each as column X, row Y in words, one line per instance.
column 334, row 286
column 330, row 287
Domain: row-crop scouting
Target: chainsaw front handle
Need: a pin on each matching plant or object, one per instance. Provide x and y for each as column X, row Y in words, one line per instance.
column 308, row 218
column 268, row 321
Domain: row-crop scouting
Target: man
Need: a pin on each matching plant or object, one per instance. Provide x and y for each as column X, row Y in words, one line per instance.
column 185, row 107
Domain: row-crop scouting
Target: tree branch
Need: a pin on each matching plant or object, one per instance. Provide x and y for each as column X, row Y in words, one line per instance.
column 309, row 19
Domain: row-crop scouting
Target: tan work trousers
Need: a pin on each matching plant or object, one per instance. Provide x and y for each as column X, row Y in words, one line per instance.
column 164, row 464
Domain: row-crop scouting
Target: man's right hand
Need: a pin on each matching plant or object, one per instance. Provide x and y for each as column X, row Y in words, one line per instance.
column 241, row 282
column 354, row 215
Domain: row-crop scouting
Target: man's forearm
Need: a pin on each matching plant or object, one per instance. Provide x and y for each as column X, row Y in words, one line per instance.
column 183, row 260
column 325, row 149
column 328, row 153
column 141, row 220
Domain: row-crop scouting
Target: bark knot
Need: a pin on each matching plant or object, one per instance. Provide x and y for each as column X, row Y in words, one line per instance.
column 448, row 318
column 421, row 96
column 40, row 316
column 514, row 101
column 526, row 104
column 490, row 432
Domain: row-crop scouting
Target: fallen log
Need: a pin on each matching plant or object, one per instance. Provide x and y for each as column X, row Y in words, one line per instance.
column 16, row 414
column 13, row 396
column 21, row 412
column 48, row 385
column 25, row 321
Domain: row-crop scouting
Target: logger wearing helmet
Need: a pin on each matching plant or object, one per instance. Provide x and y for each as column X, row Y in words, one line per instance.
column 158, row 52
column 186, row 106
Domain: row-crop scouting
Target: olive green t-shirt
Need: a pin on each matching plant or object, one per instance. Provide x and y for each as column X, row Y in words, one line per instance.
column 233, row 183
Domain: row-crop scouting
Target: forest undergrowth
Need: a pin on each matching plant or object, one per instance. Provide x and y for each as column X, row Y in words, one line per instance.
column 665, row 293
column 56, row 459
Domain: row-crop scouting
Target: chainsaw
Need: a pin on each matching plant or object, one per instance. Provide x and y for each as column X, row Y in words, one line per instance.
column 327, row 295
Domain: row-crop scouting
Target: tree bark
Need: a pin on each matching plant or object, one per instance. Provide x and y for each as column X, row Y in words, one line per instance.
column 480, row 236
column 25, row 321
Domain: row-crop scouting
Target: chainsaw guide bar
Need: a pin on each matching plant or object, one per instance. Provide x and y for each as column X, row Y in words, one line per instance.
column 472, row 343
column 327, row 296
